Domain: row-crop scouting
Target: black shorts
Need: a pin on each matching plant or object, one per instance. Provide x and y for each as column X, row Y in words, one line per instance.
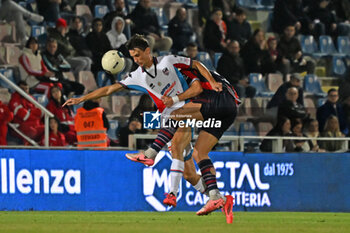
column 219, row 106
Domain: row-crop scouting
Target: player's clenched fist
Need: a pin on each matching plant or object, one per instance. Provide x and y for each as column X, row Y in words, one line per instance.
column 216, row 86
column 168, row 101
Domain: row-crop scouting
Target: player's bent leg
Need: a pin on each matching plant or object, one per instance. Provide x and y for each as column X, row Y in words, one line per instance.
column 147, row 157
column 204, row 145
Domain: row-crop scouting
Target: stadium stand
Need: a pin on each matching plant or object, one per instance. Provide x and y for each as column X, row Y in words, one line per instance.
column 100, row 11
column 338, row 66
column 274, row 81
column 87, row 78
column 343, row 43
column 257, row 81
column 312, row 85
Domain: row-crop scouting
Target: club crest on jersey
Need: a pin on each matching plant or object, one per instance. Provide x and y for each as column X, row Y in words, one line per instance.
column 166, row 71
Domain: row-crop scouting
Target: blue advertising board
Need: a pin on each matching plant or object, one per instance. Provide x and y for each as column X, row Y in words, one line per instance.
column 107, row 181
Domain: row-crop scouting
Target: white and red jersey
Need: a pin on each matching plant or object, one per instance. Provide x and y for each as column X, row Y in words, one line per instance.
column 163, row 78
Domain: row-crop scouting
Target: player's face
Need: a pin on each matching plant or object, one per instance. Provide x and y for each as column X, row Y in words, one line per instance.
column 142, row 58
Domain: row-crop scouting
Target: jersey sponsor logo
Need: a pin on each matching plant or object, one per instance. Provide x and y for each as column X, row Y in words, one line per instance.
column 168, row 88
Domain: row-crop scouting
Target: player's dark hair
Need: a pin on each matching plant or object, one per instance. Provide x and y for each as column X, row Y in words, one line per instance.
column 137, row 41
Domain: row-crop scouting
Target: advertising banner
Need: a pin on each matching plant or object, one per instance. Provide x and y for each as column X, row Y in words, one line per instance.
column 107, row 181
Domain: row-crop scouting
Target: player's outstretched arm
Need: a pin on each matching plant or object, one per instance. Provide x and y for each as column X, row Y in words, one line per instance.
column 207, row 75
column 103, row 91
column 194, row 90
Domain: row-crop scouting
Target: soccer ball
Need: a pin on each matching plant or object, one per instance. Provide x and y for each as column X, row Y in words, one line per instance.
column 113, row 62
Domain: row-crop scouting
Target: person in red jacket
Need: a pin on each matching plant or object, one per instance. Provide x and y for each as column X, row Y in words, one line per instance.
column 64, row 115
column 26, row 114
column 5, row 116
column 56, row 138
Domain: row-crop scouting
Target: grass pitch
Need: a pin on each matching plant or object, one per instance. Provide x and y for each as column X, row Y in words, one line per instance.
column 179, row 222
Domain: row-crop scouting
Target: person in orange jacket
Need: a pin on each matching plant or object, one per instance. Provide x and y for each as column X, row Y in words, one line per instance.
column 26, row 114
column 5, row 116
column 92, row 125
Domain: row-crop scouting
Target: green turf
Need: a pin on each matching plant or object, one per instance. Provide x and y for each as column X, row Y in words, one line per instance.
column 179, row 222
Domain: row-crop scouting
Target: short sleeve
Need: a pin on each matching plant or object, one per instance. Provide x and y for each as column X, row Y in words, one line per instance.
column 180, row 61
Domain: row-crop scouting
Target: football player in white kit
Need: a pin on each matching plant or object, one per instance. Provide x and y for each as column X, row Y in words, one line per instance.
column 160, row 77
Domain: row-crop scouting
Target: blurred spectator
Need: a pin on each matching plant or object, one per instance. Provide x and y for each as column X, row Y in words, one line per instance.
column 26, row 114
column 255, row 55
column 191, row 50
column 56, row 138
column 180, row 30
column 134, row 127
column 5, row 116
column 63, row 114
column 325, row 20
column 204, row 11
column 289, row 52
column 280, row 95
column 77, row 39
column 12, row 11
column 332, row 129
column 205, row 7
column 121, row 10
column 231, row 66
column 290, row 12
column 239, row 28
column 33, row 69
column 342, row 10
column 215, row 32
column 91, row 125
column 290, row 108
column 145, row 105
column 78, row 63
column 73, row 3
column 332, row 107
column 56, row 63
column 312, row 131
column 272, row 47
column 282, row 129
column 50, row 9
column 146, row 23
column 297, row 131
column 98, row 43
column 115, row 34
column 117, row 40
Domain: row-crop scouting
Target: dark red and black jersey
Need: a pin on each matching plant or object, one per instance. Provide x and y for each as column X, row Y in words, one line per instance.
column 192, row 74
